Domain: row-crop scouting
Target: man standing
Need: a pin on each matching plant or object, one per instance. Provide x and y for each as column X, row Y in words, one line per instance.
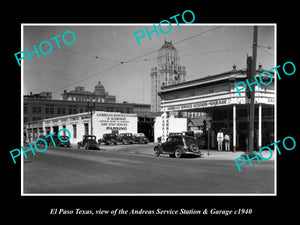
column 220, row 137
column 227, row 142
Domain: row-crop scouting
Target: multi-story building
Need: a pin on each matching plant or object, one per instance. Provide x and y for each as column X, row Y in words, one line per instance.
column 39, row 109
column 42, row 95
column 167, row 72
column 79, row 94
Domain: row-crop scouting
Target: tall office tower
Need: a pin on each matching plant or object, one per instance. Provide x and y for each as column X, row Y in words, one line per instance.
column 167, row 72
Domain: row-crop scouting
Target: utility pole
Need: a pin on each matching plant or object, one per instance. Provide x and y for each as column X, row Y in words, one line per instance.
column 252, row 105
column 91, row 110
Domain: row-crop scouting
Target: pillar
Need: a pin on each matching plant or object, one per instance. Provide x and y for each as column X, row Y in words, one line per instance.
column 259, row 126
column 234, row 128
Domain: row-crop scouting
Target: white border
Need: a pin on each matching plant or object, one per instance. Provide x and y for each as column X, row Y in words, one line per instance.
column 151, row 24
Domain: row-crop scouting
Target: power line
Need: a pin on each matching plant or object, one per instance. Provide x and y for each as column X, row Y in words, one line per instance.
column 79, row 53
column 196, row 35
column 216, row 51
column 134, row 58
column 76, row 82
column 259, row 47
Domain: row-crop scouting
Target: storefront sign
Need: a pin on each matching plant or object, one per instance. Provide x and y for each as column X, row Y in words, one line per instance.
column 114, row 121
column 200, row 105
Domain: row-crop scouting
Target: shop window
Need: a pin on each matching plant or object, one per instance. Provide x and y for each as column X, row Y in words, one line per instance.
column 74, row 131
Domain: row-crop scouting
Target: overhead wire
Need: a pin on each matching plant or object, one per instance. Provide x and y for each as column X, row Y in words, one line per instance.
column 134, row 58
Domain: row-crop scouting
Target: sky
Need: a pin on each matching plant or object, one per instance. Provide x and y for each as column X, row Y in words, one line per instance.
column 100, row 52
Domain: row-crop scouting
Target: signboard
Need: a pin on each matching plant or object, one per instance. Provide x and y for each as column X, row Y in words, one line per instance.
column 122, row 123
column 198, row 105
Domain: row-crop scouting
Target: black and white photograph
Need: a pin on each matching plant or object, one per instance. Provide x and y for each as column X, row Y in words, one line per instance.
column 141, row 111
column 162, row 114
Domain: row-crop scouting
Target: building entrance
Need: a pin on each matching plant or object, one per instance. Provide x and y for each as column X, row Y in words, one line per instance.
column 234, row 121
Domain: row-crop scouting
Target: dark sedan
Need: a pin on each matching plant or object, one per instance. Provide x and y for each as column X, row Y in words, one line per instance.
column 177, row 145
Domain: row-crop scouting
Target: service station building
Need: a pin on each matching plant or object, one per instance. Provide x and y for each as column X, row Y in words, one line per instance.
column 217, row 96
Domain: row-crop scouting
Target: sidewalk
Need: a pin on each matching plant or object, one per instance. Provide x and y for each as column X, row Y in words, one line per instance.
column 206, row 154
column 215, row 155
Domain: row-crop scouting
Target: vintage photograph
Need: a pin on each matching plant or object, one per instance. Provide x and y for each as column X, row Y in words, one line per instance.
column 148, row 109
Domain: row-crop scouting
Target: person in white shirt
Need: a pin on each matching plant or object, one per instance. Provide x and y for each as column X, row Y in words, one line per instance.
column 227, row 142
column 220, row 138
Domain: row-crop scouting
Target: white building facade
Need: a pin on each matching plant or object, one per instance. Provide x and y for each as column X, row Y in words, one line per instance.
column 80, row 124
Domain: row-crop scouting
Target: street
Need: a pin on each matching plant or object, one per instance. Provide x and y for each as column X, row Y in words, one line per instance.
column 133, row 169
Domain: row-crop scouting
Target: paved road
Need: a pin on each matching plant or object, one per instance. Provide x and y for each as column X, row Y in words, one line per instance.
column 60, row 170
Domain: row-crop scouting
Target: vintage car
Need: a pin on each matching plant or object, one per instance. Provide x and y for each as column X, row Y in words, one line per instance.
column 174, row 134
column 40, row 142
column 188, row 133
column 125, row 138
column 63, row 143
column 88, row 142
column 140, row 138
column 108, row 139
column 56, row 140
column 177, row 145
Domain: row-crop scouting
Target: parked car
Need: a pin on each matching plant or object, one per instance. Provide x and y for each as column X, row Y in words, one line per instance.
column 174, row 134
column 177, row 145
column 188, row 133
column 140, row 138
column 108, row 139
column 125, row 138
column 56, row 140
column 88, row 142
column 63, row 144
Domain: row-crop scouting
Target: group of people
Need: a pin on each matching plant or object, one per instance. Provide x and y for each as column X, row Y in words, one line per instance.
column 223, row 137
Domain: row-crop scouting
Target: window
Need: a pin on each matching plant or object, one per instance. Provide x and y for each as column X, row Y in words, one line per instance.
column 49, row 109
column 169, row 139
column 25, row 108
column 34, row 110
column 86, row 128
column 74, row 131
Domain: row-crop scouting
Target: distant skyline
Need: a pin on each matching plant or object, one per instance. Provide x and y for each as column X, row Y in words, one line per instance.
column 108, row 46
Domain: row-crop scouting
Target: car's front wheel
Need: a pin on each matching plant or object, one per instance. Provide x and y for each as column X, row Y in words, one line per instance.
column 177, row 153
column 156, row 152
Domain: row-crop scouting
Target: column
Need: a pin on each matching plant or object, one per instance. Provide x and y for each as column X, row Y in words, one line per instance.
column 234, row 128
column 259, row 126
